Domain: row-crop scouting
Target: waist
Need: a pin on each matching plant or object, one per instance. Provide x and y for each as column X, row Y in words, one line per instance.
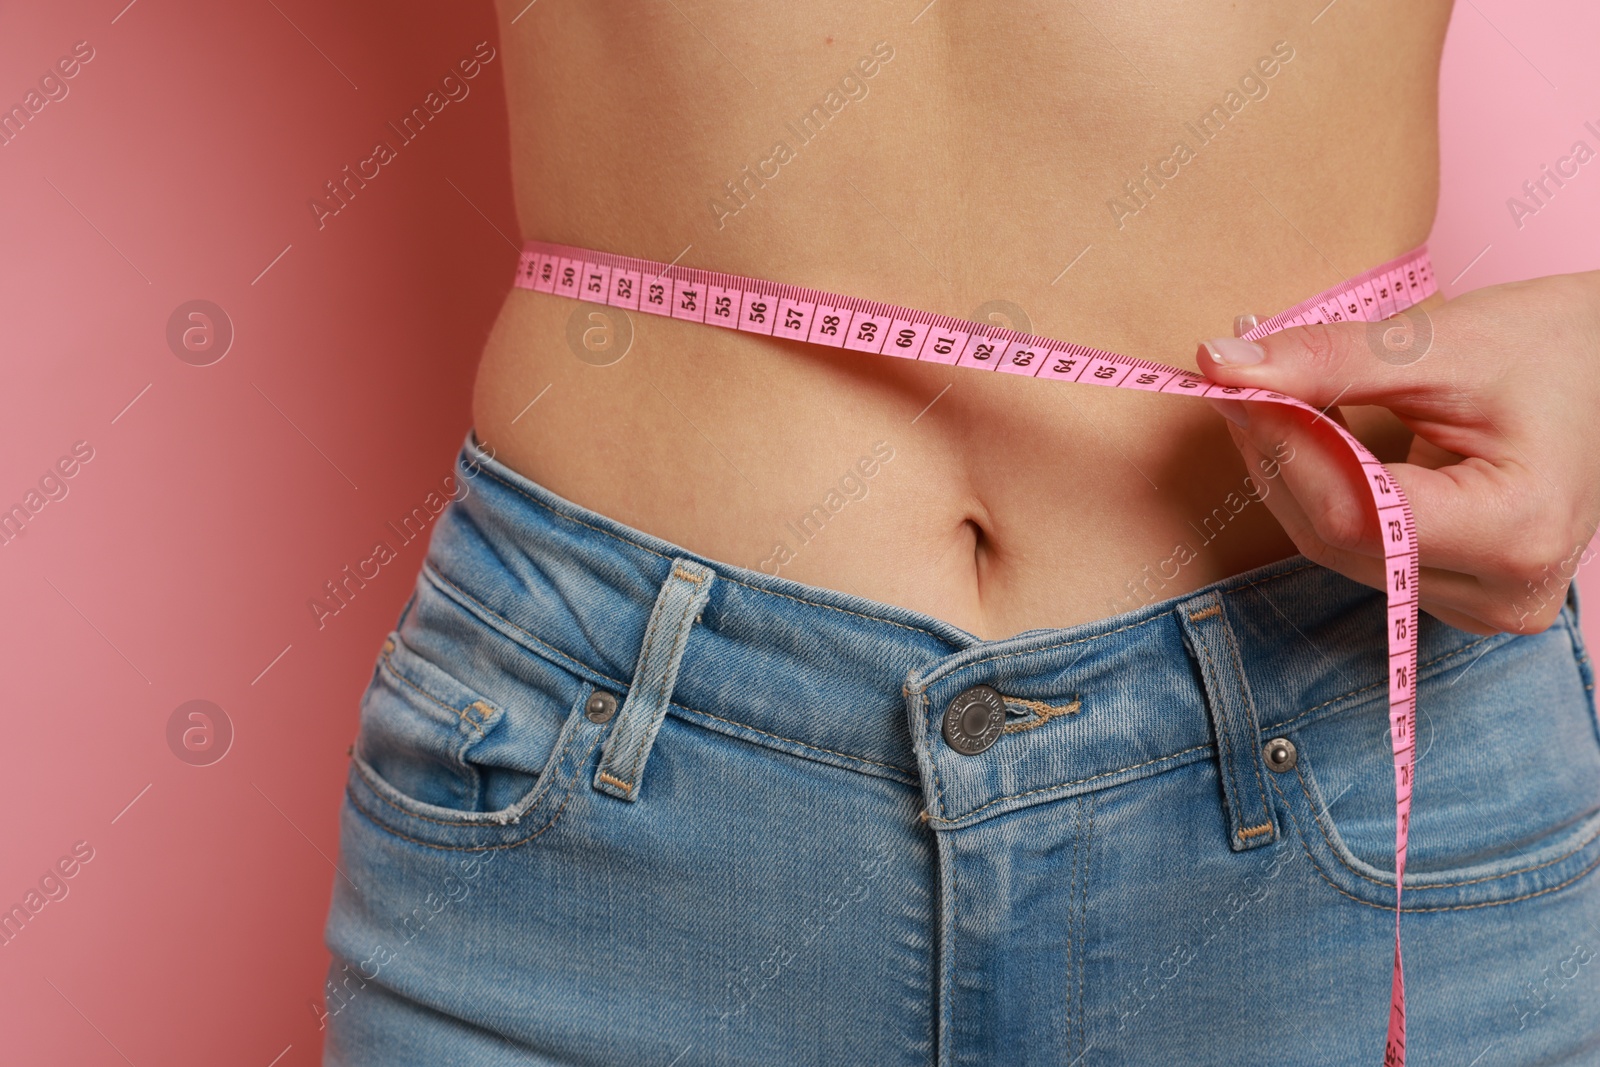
column 829, row 673
column 991, row 502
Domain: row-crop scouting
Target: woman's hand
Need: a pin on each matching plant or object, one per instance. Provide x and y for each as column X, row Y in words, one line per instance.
column 1501, row 389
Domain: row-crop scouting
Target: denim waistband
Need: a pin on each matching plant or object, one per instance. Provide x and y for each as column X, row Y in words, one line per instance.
column 862, row 684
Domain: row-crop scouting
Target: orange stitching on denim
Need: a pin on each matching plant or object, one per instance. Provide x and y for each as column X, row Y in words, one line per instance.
column 1024, row 727
column 374, row 778
column 1206, row 613
column 482, row 469
column 485, row 848
column 663, row 696
column 611, row 779
column 1230, row 768
column 483, row 709
column 1441, row 907
column 568, row 518
column 1043, row 713
column 1254, row 721
column 407, row 681
column 1063, row 785
column 452, row 709
column 1255, row 831
column 1579, row 847
column 624, row 685
column 947, row 964
column 679, row 572
column 610, row 756
column 1039, row 707
column 831, row 607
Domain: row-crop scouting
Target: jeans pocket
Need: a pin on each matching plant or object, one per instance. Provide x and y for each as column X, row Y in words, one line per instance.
column 1506, row 794
column 455, row 754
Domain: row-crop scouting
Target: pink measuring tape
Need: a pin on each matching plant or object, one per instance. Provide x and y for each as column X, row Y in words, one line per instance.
column 810, row 315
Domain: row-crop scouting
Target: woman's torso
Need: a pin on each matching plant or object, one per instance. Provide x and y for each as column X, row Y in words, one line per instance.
column 965, row 158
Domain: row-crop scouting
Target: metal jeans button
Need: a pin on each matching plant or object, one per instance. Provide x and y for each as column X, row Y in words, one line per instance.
column 974, row 719
column 1280, row 754
column 600, row 707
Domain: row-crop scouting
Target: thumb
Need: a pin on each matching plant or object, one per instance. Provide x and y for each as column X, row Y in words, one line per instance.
column 1333, row 363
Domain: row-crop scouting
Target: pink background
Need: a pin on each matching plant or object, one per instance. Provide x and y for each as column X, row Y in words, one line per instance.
column 179, row 564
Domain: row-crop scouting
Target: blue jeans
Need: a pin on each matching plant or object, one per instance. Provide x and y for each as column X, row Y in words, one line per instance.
column 614, row 803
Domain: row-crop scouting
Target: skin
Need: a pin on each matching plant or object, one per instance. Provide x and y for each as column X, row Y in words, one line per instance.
column 1502, row 472
column 978, row 165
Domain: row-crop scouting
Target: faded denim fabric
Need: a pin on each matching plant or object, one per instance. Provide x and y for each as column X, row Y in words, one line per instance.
column 764, row 851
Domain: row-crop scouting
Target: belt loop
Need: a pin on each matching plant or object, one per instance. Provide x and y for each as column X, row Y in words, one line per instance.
column 678, row 605
column 1252, row 820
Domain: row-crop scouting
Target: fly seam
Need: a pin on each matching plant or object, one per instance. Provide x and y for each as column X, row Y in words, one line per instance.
column 1083, row 918
column 938, row 785
column 1439, row 907
column 1072, row 894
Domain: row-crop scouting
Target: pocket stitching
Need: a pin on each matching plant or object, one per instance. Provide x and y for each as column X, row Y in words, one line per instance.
column 459, row 713
column 1250, row 705
column 1437, row 907
column 571, row 789
column 462, row 742
column 521, row 809
column 1337, row 854
column 583, row 671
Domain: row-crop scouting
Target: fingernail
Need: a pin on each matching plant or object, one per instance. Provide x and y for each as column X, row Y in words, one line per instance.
column 1243, row 324
column 1233, row 351
column 1232, row 410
